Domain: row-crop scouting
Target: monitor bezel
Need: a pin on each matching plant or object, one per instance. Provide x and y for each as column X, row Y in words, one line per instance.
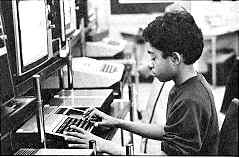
column 21, row 69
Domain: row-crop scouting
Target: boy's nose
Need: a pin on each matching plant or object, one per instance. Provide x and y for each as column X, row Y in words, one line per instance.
column 150, row 65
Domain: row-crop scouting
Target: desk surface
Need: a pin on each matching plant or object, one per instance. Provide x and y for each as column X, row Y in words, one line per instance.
column 61, row 152
column 70, row 101
column 12, row 117
column 118, row 110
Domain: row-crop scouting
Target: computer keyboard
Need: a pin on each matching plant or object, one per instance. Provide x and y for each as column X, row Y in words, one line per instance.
column 82, row 123
column 109, row 68
column 58, row 120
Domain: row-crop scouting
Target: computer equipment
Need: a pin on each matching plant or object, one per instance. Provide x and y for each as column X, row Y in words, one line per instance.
column 57, row 120
column 31, row 34
column 6, row 87
column 105, row 48
column 84, row 98
column 70, row 16
column 92, row 73
column 69, row 110
column 6, row 82
column 57, row 26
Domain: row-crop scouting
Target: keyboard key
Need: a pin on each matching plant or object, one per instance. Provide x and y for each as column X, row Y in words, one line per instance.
column 82, row 123
column 77, row 123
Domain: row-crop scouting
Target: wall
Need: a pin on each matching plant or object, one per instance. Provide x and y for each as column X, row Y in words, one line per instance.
column 202, row 12
column 209, row 15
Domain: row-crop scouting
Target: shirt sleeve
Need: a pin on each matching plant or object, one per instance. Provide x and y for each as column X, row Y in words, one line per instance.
column 183, row 129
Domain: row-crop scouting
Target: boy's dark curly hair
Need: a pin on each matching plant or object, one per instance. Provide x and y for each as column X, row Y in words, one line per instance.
column 176, row 31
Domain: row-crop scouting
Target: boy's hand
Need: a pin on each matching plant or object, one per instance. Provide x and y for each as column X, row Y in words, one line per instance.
column 81, row 138
column 107, row 120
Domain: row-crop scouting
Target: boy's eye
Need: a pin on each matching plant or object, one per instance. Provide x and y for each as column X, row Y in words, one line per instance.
column 154, row 58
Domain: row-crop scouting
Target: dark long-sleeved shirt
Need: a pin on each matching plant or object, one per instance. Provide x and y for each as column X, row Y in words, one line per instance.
column 191, row 120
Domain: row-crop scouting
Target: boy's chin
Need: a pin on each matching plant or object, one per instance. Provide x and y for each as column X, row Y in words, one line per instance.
column 161, row 79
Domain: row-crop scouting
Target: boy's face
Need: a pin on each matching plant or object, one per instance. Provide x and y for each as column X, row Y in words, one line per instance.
column 162, row 68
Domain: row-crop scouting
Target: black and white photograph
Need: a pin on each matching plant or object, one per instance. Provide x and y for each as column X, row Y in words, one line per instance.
column 119, row 77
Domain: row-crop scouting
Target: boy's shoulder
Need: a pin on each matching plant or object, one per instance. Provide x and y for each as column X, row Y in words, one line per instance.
column 195, row 92
column 195, row 87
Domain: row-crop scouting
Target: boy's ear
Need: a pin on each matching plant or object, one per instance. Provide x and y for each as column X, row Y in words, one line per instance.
column 176, row 58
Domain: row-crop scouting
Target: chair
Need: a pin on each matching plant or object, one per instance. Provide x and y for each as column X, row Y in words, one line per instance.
column 231, row 87
column 228, row 141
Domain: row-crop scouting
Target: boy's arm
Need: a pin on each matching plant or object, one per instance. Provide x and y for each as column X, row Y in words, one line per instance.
column 152, row 131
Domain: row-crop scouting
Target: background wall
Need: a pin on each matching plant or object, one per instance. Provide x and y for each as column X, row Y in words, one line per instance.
column 207, row 14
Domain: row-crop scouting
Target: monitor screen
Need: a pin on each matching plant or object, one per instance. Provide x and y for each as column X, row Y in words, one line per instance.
column 32, row 32
column 70, row 16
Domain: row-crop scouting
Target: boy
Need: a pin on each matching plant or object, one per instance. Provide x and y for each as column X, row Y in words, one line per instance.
column 174, row 44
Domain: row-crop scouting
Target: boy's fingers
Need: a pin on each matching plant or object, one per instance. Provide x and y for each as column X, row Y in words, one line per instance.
column 75, row 135
column 79, row 130
column 103, row 123
column 96, row 124
column 72, row 138
column 88, row 111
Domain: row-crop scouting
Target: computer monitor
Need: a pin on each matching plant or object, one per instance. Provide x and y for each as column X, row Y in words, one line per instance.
column 70, row 16
column 6, row 83
column 31, row 34
column 56, row 20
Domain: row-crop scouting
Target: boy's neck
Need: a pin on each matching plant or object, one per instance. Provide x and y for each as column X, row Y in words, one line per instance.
column 185, row 72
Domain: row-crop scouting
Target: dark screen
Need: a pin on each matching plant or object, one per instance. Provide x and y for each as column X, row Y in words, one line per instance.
column 6, row 85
